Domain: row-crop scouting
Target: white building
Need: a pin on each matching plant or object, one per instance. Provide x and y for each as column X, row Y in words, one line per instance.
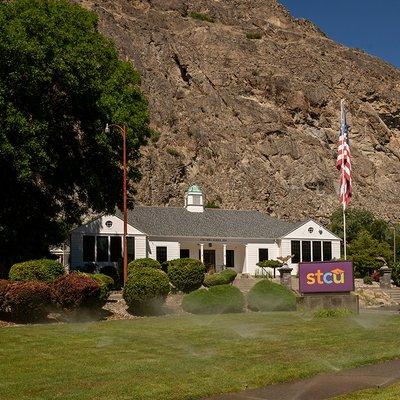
column 231, row 238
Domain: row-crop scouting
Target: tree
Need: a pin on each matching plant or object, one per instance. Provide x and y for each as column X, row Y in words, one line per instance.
column 60, row 82
column 364, row 250
column 358, row 220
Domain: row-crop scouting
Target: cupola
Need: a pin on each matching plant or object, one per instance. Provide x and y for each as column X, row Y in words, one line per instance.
column 194, row 199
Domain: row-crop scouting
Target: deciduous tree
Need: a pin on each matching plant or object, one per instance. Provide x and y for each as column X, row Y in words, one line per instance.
column 60, row 82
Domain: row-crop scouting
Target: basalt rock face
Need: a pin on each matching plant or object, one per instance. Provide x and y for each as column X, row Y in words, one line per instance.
column 247, row 106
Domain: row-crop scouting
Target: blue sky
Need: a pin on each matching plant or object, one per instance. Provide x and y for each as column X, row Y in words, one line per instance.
column 371, row 25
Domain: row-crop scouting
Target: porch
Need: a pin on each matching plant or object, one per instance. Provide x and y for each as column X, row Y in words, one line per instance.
column 216, row 255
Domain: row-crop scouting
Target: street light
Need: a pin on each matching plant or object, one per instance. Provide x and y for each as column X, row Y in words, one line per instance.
column 122, row 129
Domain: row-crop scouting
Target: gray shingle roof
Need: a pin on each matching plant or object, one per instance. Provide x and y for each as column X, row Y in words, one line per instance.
column 213, row 223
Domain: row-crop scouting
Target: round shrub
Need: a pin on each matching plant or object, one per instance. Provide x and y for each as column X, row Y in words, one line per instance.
column 43, row 270
column 224, row 277
column 269, row 296
column 28, row 301
column 146, row 290
column 215, row 300
column 76, row 291
column 143, row 263
column 186, row 274
column 4, row 284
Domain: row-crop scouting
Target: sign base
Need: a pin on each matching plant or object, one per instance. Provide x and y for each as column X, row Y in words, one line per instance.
column 328, row 301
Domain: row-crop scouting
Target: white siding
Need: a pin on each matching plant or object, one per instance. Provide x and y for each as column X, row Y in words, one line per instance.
column 173, row 249
column 140, row 247
column 336, row 249
column 252, row 255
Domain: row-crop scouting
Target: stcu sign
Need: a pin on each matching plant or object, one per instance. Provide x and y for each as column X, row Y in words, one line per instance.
column 326, row 277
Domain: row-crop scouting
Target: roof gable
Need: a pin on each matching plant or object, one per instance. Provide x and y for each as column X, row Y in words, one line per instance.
column 312, row 230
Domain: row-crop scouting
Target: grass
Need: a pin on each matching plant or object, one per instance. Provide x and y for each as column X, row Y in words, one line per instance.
column 185, row 357
column 201, row 17
column 254, row 35
column 389, row 393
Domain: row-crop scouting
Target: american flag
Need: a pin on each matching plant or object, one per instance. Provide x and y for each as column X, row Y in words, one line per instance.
column 343, row 163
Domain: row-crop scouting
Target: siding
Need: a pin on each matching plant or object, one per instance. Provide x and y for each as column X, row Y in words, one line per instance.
column 173, row 248
column 252, row 255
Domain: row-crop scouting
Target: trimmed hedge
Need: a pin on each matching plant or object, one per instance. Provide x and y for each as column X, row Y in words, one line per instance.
column 270, row 296
column 4, row 284
column 186, row 274
column 28, row 301
column 146, row 290
column 224, row 277
column 76, row 291
column 43, row 270
column 215, row 300
column 143, row 263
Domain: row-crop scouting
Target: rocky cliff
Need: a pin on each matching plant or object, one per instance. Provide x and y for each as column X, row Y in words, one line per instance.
column 246, row 101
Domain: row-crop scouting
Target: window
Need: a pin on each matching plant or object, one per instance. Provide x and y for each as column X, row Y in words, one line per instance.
column 130, row 244
column 327, row 248
column 185, row 253
column 88, row 248
column 306, row 250
column 295, row 251
column 161, row 254
column 262, row 255
column 316, row 248
column 115, row 248
column 230, row 258
column 102, row 248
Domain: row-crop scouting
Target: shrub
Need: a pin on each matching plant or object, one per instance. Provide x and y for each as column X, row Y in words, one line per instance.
column 396, row 274
column 253, row 35
column 4, row 284
column 224, row 277
column 367, row 280
column 215, row 300
column 269, row 296
column 76, row 291
column 112, row 272
column 106, row 284
column 146, row 290
column 186, row 274
column 339, row 312
column 28, row 301
column 143, row 263
column 44, row 270
column 376, row 276
column 201, row 17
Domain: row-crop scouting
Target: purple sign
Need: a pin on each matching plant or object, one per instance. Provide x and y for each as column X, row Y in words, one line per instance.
column 326, row 277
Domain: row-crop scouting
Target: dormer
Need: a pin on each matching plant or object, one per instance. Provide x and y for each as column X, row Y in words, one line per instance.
column 194, row 199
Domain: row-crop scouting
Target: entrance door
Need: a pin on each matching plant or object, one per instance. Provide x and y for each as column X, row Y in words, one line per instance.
column 209, row 258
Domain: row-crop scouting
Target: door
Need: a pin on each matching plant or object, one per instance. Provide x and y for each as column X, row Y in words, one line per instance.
column 209, row 258
column 230, row 259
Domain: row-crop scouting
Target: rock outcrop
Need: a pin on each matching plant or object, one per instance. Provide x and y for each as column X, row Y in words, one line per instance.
column 246, row 101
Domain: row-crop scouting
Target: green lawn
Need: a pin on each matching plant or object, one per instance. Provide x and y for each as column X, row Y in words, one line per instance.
column 185, row 357
column 389, row 393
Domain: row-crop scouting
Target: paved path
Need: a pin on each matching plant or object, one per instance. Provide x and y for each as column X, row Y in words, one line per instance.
column 324, row 386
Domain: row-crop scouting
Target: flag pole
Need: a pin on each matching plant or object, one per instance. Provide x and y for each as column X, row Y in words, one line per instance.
column 343, row 191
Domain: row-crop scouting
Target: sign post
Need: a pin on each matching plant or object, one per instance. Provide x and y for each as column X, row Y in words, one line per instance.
column 327, row 285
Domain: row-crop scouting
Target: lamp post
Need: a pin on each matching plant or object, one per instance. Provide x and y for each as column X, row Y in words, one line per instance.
column 122, row 129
